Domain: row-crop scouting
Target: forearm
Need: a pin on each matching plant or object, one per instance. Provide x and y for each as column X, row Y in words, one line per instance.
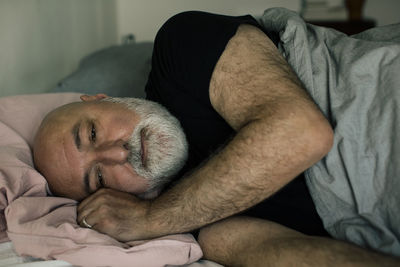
column 260, row 160
column 243, row 241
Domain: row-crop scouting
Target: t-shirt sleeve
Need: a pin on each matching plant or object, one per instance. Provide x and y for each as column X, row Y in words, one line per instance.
column 188, row 46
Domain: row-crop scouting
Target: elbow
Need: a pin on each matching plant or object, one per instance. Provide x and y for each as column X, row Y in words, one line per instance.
column 321, row 138
column 330, row 137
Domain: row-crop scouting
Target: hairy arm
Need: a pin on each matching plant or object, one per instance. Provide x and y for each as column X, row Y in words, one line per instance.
column 245, row 241
column 280, row 133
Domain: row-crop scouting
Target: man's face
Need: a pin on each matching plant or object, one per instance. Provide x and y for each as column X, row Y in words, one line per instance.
column 129, row 145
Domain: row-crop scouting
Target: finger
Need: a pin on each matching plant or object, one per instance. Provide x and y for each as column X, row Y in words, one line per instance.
column 92, row 203
column 80, row 217
column 86, row 223
column 93, row 220
column 82, row 214
column 92, row 198
column 85, row 209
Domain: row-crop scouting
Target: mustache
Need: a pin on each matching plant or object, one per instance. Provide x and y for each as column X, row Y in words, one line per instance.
column 158, row 147
column 136, row 148
column 135, row 155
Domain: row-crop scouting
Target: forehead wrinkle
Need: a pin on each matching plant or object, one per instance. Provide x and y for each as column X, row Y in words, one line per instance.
column 65, row 159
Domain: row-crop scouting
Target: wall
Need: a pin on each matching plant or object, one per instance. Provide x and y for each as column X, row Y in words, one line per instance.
column 383, row 11
column 42, row 40
column 144, row 17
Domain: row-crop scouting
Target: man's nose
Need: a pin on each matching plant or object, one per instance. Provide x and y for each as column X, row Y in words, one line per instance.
column 115, row 153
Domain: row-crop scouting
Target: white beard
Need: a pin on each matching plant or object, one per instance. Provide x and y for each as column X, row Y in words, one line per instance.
column 165, row 142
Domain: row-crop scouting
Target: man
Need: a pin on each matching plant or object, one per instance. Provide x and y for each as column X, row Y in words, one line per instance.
column 226, row 82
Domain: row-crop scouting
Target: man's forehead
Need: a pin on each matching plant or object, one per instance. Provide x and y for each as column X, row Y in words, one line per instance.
column 55, row 152
column 78, row 109
column 66, row 110
column 63, row 169
column 73, row 161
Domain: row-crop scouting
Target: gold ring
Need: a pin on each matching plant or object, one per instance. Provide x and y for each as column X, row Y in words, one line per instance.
column 86, row 224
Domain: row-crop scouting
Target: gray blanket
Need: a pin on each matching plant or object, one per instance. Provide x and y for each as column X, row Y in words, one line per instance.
column 355, row 80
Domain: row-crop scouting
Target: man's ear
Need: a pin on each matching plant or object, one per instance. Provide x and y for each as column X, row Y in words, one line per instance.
column 88, row 98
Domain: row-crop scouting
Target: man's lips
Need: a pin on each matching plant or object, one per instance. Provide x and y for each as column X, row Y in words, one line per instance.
column 143, row 147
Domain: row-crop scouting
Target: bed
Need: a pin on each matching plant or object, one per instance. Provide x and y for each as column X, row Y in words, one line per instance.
column 8, row 257
column 354, row 80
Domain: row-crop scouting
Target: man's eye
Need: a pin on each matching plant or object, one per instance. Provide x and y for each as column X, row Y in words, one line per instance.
column 93, row 134
column 100, row 178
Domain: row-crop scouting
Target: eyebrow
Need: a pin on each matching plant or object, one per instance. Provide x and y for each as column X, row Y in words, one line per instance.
column 77, row 141
column 75, row 134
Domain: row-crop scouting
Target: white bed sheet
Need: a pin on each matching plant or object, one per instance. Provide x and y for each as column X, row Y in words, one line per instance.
column 9, row 258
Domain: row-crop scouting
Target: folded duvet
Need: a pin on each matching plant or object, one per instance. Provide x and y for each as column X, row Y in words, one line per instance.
column 355, row 80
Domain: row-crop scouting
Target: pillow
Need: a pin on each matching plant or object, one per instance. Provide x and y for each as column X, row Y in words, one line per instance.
column 24, row 113
column 20, row 117
column 115, row 71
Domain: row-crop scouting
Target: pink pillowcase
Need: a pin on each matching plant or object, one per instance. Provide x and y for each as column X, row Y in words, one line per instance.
column 20, row 117
column 24, row 113
column 45, row 227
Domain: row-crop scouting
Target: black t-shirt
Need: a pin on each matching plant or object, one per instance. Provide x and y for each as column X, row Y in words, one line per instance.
column 186, row 50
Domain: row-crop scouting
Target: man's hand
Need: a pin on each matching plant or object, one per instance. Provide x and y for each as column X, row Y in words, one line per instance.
column 117, row 214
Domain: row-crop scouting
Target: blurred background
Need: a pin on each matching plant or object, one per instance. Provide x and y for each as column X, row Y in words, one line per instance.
column 42, row 41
